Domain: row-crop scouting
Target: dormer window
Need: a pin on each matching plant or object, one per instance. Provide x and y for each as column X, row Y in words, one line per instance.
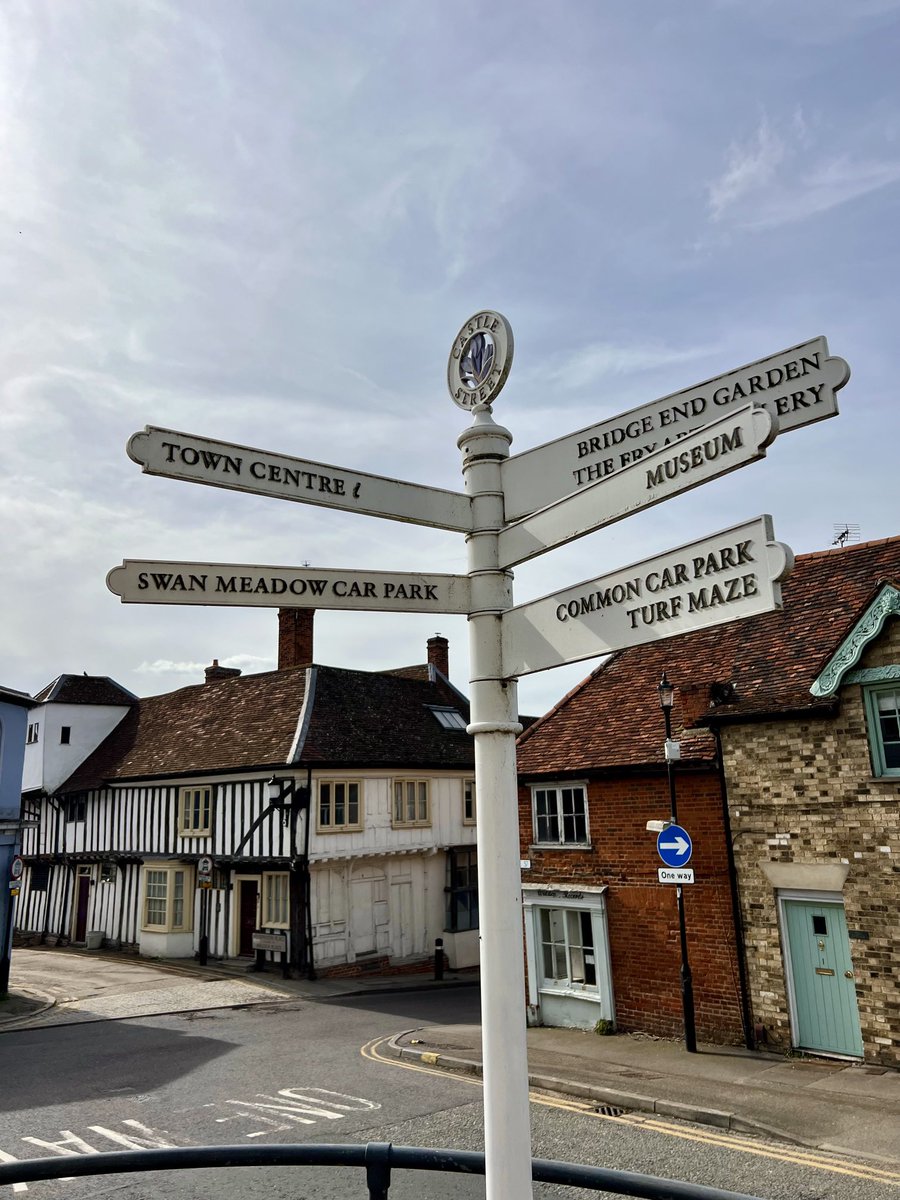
column 449, row 718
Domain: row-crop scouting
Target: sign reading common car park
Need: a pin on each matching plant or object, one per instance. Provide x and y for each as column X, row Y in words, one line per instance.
column 513, row 509
column 735, row 573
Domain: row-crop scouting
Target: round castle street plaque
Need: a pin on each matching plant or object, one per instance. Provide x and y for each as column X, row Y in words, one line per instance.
column 480, row 359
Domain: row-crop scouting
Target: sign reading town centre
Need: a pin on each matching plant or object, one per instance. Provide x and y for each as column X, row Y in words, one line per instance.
column 245, row 469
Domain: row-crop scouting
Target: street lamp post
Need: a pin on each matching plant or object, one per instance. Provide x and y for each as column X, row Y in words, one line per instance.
column 666, row 700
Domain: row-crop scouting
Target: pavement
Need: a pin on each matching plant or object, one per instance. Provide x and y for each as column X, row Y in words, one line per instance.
column 826, row 1104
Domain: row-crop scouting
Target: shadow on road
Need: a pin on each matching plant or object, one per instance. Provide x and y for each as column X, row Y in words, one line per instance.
column 64, row 1064
column 453, row 1006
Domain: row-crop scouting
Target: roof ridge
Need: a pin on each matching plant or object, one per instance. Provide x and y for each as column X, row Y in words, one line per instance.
column 886, row 541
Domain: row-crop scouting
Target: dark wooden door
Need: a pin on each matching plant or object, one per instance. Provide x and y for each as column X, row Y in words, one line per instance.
column 82, row 894
column 248, row 902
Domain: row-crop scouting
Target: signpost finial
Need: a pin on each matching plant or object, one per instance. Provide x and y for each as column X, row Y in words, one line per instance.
column 480, row 360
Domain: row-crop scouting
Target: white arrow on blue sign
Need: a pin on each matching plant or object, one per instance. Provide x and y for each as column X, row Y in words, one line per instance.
column 674, row 846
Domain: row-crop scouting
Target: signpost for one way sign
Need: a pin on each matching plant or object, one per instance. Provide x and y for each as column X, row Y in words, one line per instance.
column 732, row 574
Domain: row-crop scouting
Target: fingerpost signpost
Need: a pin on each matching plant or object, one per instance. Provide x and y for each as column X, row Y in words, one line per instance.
column 512, row 509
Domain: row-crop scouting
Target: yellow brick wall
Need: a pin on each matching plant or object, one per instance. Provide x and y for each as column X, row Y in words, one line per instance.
column 802, row 791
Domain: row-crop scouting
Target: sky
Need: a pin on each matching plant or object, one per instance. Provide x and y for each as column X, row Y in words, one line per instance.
column 264, row 221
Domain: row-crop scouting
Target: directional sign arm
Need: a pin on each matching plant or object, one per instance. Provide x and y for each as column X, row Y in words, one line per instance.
column 798, row 385
column 731, row 442
column 196, row 459
column 721, row 578
column 139, row 581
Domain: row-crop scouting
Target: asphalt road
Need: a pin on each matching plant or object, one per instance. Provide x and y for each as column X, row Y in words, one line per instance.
column 309, row 1072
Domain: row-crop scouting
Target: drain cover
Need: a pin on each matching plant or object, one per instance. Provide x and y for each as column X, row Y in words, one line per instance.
column 609, row 1110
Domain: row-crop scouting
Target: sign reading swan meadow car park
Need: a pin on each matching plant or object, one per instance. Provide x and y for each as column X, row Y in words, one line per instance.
column 145, row 582
column 511, row 510
column 797, row 385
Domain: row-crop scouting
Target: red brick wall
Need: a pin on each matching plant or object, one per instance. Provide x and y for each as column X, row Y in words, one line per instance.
column 641, row 913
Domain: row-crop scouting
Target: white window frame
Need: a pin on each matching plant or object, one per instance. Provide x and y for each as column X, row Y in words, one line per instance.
column 560, row 787
column 537, row 897
column 469, row 803
column 169, row 897
column 186, row 807
column 871, row 698
column 283, row 902
column 33, row 734
column 400, row 801
column 333, row 826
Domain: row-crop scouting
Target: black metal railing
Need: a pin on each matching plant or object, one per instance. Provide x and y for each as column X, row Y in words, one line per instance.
column 378, row 1159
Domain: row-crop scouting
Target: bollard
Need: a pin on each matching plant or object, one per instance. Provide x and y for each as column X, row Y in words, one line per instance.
column 439, row 959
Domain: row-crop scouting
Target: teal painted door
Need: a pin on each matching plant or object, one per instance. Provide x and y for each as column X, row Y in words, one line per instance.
column 822, row 975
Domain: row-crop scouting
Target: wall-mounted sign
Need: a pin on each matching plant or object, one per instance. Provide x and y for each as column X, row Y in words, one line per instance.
column 798, row 385
column 244, row 469
column 276, row 942
column 732, row 574
column 140, row 581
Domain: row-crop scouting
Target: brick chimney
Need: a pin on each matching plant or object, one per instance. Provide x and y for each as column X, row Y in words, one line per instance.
column 295, row 637
column 439, row 654
column 215, row 672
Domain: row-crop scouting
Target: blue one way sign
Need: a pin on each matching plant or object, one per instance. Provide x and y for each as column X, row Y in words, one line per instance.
column 674, row 846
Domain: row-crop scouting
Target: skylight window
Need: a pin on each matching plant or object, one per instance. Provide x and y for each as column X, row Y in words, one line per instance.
column 450, row 718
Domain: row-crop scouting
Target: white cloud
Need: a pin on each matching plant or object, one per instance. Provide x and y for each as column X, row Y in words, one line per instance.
column 776, row 178
column 750, row 168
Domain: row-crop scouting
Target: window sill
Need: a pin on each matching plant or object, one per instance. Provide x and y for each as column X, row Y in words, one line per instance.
column 191, row 833
column 560, row 846
column 339, row 829
column 569, row 992
column 411, row 825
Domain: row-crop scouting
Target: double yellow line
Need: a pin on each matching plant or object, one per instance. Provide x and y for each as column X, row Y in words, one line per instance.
column 728, row 1141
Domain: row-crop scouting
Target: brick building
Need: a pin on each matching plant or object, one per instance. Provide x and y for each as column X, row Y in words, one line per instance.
column 790, row 736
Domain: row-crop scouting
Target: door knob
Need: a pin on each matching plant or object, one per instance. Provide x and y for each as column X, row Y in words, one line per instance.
column 848, row 974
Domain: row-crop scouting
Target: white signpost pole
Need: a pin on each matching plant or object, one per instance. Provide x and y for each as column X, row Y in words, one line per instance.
column 495, row 726
column 478, row 367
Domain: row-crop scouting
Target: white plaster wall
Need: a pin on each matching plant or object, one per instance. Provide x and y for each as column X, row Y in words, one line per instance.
column 47, row 763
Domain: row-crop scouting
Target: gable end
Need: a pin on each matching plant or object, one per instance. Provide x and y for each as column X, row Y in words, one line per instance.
column 869, row 626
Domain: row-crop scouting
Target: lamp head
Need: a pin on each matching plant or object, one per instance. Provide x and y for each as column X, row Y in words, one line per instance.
column 666, row 692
